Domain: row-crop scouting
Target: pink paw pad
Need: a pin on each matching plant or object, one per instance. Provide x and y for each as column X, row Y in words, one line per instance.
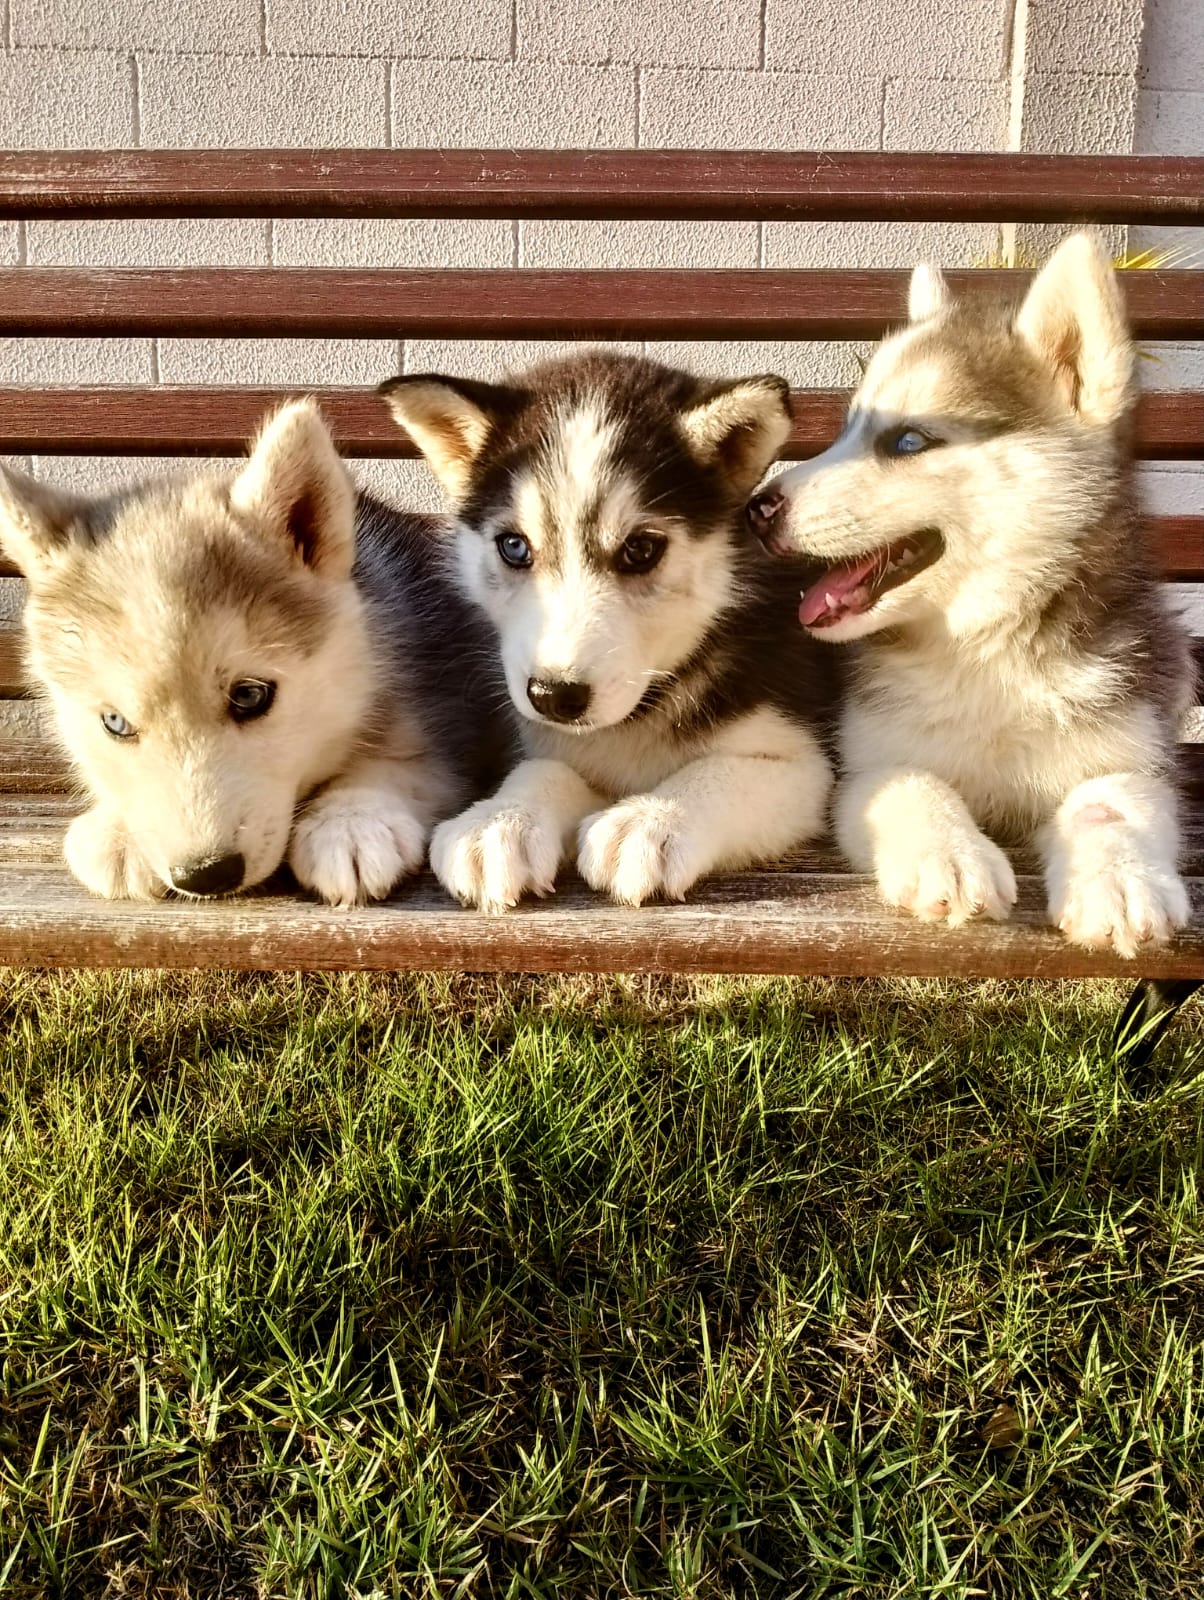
column 1093, row 815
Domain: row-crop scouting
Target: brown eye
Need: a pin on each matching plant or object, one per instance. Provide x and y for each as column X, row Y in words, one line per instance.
column 640, row 552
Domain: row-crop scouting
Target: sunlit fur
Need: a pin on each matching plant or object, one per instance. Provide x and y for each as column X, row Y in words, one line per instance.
column 155, row 602
column 691, row 664
column 1036, row 655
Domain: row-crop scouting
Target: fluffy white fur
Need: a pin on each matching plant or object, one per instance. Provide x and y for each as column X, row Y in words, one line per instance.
column 964, row 719
column 119, row 624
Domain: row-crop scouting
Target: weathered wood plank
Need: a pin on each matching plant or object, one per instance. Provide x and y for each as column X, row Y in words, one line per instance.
column 217, row 421
column 12, row 668
column 611, row 184
column 676, row 303
column 756, row 923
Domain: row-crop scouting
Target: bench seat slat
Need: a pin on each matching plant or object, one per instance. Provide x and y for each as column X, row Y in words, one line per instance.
column 167, row 419
column 786, row 922
column 733, row 185
column 669, row 303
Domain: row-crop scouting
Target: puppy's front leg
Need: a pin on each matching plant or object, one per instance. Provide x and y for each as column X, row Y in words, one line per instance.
column 720, row 811
column 365, row 830
column 513, row 843
column 930, row 857
column 104, row 857
column 1110, row 855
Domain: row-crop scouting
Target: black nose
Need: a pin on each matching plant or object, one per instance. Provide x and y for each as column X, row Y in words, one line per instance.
column 762, row 513
column 210, row 875
column 559, row 702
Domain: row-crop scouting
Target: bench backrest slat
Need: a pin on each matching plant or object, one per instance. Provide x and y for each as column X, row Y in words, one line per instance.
column 708, row 185
column 217, row 420
column 678, row 303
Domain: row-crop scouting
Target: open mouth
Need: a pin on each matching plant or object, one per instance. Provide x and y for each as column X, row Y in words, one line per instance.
column 855, row 587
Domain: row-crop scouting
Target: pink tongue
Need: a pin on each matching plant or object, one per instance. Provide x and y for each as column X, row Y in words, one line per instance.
column 830, row 594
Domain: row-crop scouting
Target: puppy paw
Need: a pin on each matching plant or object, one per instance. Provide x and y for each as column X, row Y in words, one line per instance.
column 1123, row 906
column 493, row 854
column 354, row 845
column 638, row 849
column 949, row 879
column 103, row 857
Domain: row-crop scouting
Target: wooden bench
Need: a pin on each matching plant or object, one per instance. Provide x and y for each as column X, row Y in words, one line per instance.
column 805, row 915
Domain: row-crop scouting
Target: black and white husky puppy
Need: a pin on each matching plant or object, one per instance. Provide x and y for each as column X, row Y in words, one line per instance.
column 1015, row 667
column 671, row 707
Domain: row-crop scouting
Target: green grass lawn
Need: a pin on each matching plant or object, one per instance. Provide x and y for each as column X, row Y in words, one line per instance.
column 426, row 1287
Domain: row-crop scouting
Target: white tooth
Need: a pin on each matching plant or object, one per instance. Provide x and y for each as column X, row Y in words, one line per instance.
column 830, row 599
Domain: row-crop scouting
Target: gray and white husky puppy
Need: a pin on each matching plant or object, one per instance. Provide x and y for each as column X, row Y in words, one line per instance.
column 670, row 705
column 246, row 667
column 1014, row 665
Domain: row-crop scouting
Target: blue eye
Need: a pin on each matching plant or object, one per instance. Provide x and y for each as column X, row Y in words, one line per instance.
column 906, row 442
column 114, row 723
column 250, row 699
column 514, row 549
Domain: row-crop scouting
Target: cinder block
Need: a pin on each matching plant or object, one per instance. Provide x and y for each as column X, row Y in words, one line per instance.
column 303, row 363
column 225, row 25
column 1078, row 113
column 879, row 244
column 12, row 597
column 1058, row 37
column 66, row 100
column 446, row 28
column 921, row 38
column 462, row 104
column 1176, row 247
column 1172, row 366
column 944, row 114
column 409, row 484
column 676, row 33
column 1170, row 122
column 759, row 110
column 804, row 365
column 196, row 241
column 23, row 719
column 491, row 360
column 639, row 244
column 256, row 101
column 75, row 361
column 406, row 242
column 1172, row 47
column 106, row 474
column 1172, row 488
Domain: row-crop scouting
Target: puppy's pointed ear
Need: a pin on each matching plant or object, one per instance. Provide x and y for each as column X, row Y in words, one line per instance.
column 449, row 419
column 740, row 427
column 927, row 294
column 296, row 488
column 38, row 524
column 1073, row 318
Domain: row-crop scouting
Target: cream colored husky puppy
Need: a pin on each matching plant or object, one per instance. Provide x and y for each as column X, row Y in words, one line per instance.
column 1015, row 667
column 242, row 668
